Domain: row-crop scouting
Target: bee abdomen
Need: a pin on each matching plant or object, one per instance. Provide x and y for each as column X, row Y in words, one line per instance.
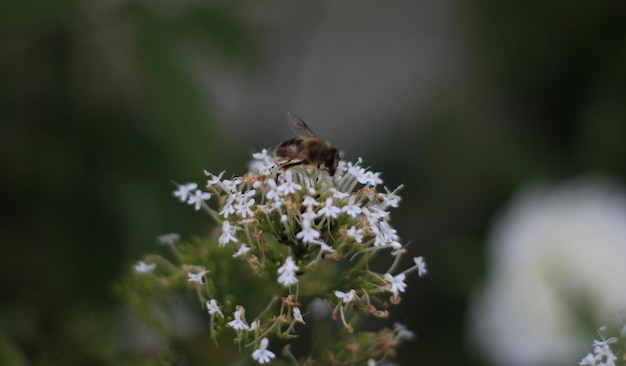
column 289, row 148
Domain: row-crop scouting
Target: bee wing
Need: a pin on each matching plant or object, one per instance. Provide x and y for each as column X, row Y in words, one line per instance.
column 299, row 127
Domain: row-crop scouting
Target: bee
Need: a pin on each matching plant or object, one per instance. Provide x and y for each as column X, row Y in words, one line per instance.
column 307, row 149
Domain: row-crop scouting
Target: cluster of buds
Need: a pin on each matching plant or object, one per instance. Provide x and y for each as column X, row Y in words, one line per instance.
column 293, row 227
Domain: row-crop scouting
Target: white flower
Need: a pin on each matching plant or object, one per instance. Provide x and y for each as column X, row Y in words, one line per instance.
column 554, row 252
column 243, row 202
column 337, row 194
column 351, row 209
column 196, row 277
column 329, row 210
column 143, row 267
column 373, row 178
column 273, row 193
column 356, row 234
column 309, row 202
column 421, row 265
column 262, row 354
column 402, row 332
column 390, row 199
column 602, row 353
column 309, row 215
column 263, row 155
column 375, row 213
column 243, row 249
column 385, row 235
column 239, row 323
column 197, row 198
column 213, row 308
column 214, row 179
column 228, row 208
column 168, row 239
column 297, row 315
column 346, row 297
column 588, row 360
column 228, row 234
column 308, row 234
column 231, row 185
column 287, row 273
column 357, row 172
column 396, row 282
column 371, row 362
column 289, row 186
column 183, row 191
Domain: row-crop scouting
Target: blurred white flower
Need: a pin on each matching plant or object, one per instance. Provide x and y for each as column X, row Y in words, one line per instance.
column 555, row 252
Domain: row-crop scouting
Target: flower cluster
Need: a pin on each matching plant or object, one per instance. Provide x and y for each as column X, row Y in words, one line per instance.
column 602, row 354
column 296, row 226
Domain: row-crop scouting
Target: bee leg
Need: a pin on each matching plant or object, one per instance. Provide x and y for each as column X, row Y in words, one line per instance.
column 291, row 163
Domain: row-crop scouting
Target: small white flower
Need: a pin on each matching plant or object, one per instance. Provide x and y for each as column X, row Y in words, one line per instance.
column 289, row 186
column 329, row 210
column 228, row 234
column 588, row 360
column 385, row 235
column 309, row 202
column 243, row 249
column 371, row 362
column 373, row 178
column 396, row 282
column 390, row 199
column 273, row 193
column 346, row 297
column 196, row 277
column 228, row 208
column 356, row 234
column 308, row 234
column 351, row 209
column 213, row 308
column 402, row 332
column 421, row 265
column 375, row 213
column 143, row 267
column 338, row 195
column 357, row 172
column 262, row 354
column 243, row 202
column 255, row 325
column 309, row 215
column 183, row 191
column 287, row 273
column 263, row 155
column 214, row 179
column 297, row 315
column 231, row 185
column 239, row 323
column 324, row 247
column 197, row 198
column 168, row 239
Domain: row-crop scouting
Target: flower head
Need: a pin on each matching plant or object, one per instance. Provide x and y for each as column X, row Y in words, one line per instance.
column 262, row 354
column 287, row 273
column 183, row 191
column 396, row 283
column 143, row 267
column 213, row 308
column 239, row 321
column 196, row 277
column 345, row 297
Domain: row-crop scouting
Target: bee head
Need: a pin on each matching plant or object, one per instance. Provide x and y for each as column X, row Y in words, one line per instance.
column 332, row 160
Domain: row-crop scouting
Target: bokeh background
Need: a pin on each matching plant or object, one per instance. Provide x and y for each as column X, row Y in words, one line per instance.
column 104, row 103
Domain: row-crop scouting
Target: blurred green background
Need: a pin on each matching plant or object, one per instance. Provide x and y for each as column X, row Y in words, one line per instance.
column 104, row 104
